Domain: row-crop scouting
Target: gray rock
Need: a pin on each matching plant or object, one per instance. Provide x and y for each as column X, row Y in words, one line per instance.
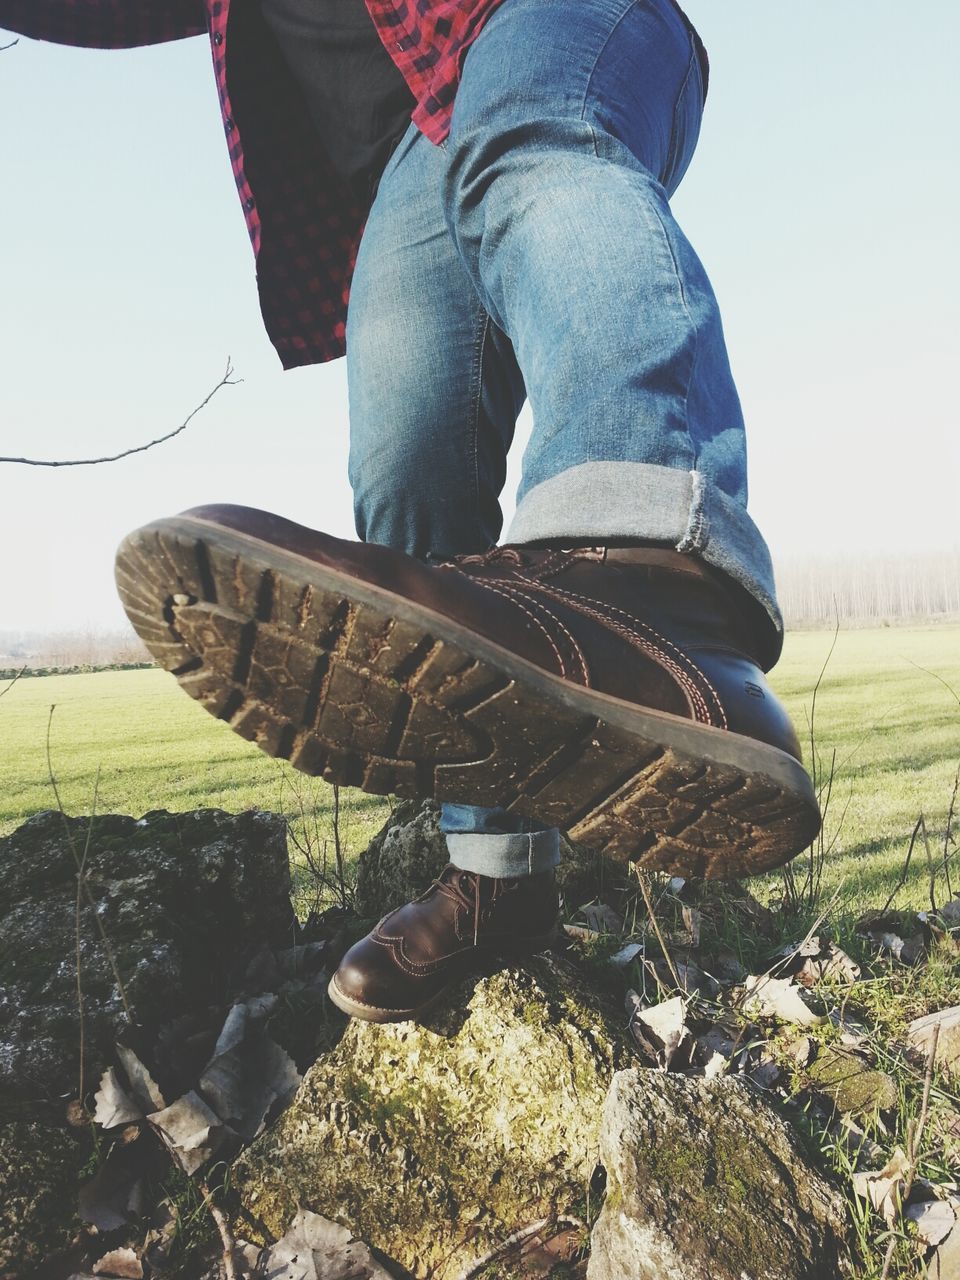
column 434, row 1143
column 706, row 1182
column 921, row 1032
column 183, row 899
column 410, row 849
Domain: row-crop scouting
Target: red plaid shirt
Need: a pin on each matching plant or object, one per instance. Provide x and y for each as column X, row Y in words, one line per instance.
column 304, row 223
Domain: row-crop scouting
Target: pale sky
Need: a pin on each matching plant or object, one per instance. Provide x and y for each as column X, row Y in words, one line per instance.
column 823, row 200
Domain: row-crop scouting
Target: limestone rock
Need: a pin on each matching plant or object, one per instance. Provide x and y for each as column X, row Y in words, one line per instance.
column 410, row 849
column 39, row 1167
column 706, row 1182
column 434, row 1143
column 855, row 1088
column 182, row 898
column 920, row 1036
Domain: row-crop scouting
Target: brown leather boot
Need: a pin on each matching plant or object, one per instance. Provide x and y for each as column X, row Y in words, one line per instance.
column 415, row 954
column 615, row 692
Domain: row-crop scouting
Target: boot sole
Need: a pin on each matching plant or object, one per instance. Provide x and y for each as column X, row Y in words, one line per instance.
column 365, row 688
column 373, row 1013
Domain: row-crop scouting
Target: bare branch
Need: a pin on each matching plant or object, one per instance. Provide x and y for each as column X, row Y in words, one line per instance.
column 8, row 46
column 7, row 687
column 226, row 381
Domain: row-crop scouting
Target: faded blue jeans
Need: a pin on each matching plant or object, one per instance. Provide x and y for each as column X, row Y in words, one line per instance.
column 534, row 255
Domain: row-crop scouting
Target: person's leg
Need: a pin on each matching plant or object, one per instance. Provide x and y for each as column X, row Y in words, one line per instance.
column 572, row 124
column 434, row 396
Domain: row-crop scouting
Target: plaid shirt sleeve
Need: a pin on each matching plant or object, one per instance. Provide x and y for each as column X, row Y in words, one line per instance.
column 104, row 24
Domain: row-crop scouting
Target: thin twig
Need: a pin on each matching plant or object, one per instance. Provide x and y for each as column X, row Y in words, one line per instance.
column 226, row 381
column 6, row 688
column 82, row 874
column 931, row 869
column 947, row 833
column 906, row 866
column 656, row 929
column 914, row 1139
column 223, row 1226
column 78, row 933
column 3, row 47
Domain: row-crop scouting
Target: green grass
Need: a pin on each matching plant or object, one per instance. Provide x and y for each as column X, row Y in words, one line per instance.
column 895, row 728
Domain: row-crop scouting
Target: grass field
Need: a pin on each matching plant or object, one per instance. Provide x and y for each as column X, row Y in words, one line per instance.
column 894, row 726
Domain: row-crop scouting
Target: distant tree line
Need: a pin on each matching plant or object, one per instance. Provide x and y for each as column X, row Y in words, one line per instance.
column 865, row 589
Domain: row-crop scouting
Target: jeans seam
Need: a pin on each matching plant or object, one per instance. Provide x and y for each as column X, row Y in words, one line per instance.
column 596, row 62
column 674, row 123
column 480, row 343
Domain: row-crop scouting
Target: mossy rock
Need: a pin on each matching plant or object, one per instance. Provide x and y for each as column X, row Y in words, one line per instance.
column 410, row 850
column 705, row 1181
column 39, row 1169
column 435, row 1142
column 855, row 1088
column 182, row 898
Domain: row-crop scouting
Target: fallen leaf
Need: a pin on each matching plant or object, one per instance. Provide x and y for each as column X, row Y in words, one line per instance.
column 112, row 1198
column 803, row 1051
column 247, row 1074
column 623, row 957
column 114, row 1106
column 191, row 1130
column 314, row 1248
column 143, row 1087
column 778, row 997
column 934, row 1220
column 76, row 1114
column 597, row 915
column 664, row 1026
column 692, row 921
column 884, row 1189
column 581, row 933
column 122, row 1263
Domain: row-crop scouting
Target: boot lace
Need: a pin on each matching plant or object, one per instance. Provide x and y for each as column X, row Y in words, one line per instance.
column 450, row 883
column 509, row 555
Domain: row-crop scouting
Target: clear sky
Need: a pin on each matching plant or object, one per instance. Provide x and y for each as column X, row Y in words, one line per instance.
column 823, row 200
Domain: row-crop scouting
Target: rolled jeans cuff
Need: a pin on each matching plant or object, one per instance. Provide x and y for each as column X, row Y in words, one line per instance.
column 608, row 500
column 502, row 856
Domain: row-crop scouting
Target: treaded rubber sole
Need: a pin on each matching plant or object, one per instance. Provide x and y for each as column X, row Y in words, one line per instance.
column 353, row 684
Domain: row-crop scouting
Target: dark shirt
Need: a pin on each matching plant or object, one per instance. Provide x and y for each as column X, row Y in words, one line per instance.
column 304, row 219
column 359, row 102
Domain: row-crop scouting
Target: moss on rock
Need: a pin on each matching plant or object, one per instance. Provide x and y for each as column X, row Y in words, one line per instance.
column 853, row 1086
column 39, row 1166
column 707, row 1182
column 433, row 1142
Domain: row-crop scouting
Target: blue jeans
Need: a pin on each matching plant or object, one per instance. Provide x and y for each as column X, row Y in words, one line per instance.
column 534, row 254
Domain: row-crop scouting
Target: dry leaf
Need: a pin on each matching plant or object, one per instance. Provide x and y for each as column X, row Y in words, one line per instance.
column 113, row 1197
column 692, row 921
column 861, row 1149
column 143, row 1087
column 114, row 1106
column 314, row 1248
column 934, row 1219
column 191, row 1130
column 76, row 1114
column 884, row 1189
column 780, row 998
column 580, row 933
column 664, row 1026
column 247, row 1074
column 597, row 915
column 122, row 1263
